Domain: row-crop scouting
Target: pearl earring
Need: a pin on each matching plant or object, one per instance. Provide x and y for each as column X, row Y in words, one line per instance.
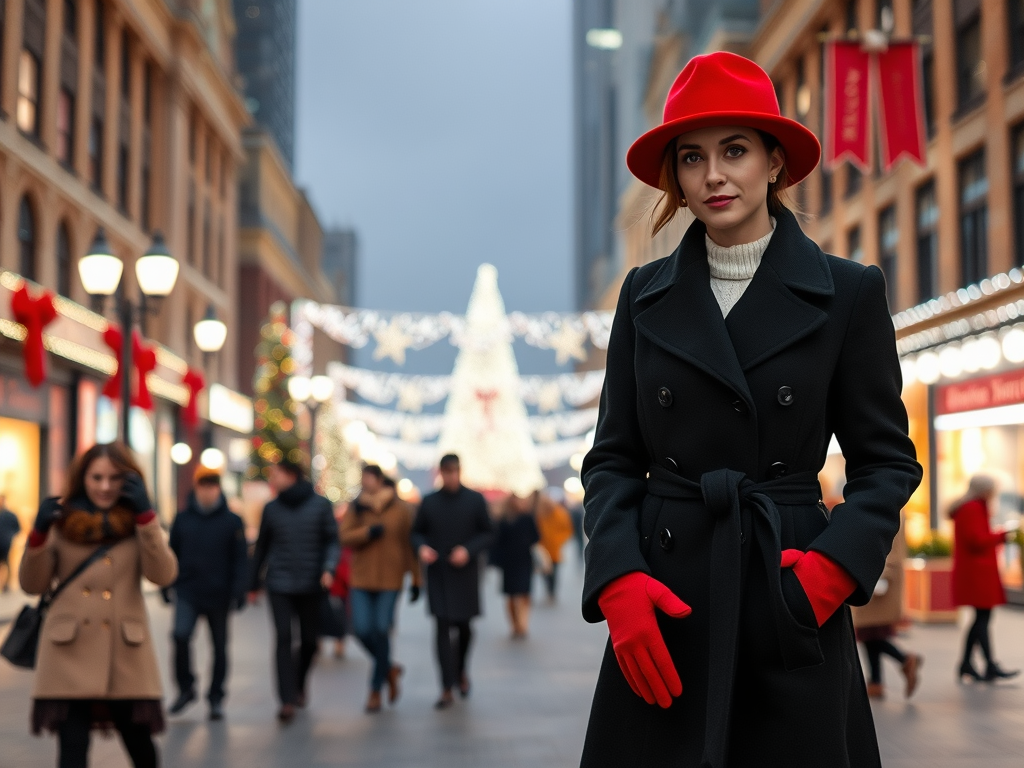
column 683, row 203
column 771, row 179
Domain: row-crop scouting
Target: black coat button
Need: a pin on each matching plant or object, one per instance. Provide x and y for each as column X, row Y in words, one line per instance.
column 664, row 397
column 667, row 542
column 739, row 406
column 778, row 469
column 670, row 463
column 785, row 395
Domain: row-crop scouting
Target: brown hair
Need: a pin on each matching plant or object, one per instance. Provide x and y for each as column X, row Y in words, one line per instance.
column 118, row 453
column 671, row 199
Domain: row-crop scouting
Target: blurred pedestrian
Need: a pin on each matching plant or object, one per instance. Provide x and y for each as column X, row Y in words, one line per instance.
column 336, row 625
column 296, row 554
column 555, row 527
column 976, row 579
column 451, row 529
column 9, row 528
column 513, row 553
column 96, row 666
column 209, row 540
column 378, row 529
column 876, row 624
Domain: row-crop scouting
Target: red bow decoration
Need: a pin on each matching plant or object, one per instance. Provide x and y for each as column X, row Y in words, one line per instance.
column 194, row 382
column 144, row 359
column 35, row 314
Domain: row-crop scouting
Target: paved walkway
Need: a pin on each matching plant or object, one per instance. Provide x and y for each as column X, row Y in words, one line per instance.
column 529, row 705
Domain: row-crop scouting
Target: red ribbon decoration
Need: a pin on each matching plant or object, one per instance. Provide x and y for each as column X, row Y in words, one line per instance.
column 144, row 357
column 35, row 314
column 144, row 361
column 852, row 74
column 194, row 382
column 112, row 338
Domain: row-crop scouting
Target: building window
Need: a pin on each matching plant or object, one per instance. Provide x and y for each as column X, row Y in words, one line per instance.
column 973, row 219
column 101, row 34
column 190, row 229
column 884, row 18
column 970, row 67
column 207, row 242
column 126, row 65
column 28, row 93
column 147, row 93
column 26, row 240
column 70, row 18
column 854, row 179
column 1018, row 194
column 65, row 126
column 888, row 240
column 927, row 219
column 1015, row 10
column 96, row 152
column 63, row 260
column 122, row 177
column 144, row 202
column 851, row 16
column 854, row 249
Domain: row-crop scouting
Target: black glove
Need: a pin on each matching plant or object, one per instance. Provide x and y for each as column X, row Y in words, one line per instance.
column 376, row 531
column 165, row 593
column 414, row 593
column 49, row 512
column 134, row 494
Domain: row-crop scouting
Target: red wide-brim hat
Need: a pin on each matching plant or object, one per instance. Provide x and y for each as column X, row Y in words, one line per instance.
column 718, row 89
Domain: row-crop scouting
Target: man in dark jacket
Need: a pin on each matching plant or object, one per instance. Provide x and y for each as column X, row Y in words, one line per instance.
column 9, row 528
column 452, row 528
column 209, row 541
column 296, row 554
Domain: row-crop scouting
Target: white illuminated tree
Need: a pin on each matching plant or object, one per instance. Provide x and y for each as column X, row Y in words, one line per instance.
column 485, row 420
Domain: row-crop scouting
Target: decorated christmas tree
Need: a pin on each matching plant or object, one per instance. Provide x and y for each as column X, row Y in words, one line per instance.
column 275, row 436
column 485, row 420
column 336, row 472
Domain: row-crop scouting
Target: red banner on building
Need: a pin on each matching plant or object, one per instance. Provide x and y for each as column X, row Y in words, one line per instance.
column 900, row 104
column 847, row 106
column 984, row 392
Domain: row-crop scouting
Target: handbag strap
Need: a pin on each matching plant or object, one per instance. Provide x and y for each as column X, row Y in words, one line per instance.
column 51, row 595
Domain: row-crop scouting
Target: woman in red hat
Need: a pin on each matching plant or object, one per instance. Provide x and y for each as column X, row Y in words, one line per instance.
column 722, row 576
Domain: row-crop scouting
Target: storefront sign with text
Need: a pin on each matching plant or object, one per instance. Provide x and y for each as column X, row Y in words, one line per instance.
column 984, row 392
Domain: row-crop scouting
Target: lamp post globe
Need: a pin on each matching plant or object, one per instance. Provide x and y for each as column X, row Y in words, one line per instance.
column 321, row 388
column 100, row 270
column 210, row 333
column 299, row 388
column 157, row 270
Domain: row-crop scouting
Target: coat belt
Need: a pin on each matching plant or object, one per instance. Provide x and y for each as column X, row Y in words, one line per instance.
column 726, row 493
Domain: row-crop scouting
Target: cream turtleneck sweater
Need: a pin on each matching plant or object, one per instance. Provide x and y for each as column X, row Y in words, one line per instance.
column 733, row 267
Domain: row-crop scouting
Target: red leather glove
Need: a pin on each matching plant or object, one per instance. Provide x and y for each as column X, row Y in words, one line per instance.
column 628, row 604
column 825, row 582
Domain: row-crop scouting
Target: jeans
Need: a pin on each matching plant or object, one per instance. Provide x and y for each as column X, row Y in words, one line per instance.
column 292, row 667
column 75, row 732
column 185, row 617
column 373, row 613
column 452, row 656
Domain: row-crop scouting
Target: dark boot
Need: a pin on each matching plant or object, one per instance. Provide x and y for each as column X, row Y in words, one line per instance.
column 995, row 672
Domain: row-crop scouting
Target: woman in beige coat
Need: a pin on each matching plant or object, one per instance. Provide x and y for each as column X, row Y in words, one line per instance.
column 876, row 623
column 96, row 666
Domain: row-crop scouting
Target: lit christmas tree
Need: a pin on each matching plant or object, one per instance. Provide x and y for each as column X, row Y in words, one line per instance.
column 485, row 420
column 275, row 436
column 337, row 473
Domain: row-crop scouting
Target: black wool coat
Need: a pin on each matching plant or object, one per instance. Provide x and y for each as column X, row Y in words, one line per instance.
column 213, row 557
column 513, row 552
column 444, row 521
column 710, row 436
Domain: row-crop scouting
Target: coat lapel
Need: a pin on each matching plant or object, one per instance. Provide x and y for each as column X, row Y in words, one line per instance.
column 680, row 314
column 773, row 314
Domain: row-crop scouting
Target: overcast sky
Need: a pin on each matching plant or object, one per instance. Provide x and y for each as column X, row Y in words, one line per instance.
column 441, row 131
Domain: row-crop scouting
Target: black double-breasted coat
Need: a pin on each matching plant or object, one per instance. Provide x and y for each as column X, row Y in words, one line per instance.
column 710, row 435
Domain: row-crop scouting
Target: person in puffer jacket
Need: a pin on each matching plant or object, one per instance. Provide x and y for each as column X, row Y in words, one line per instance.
column 296, row 554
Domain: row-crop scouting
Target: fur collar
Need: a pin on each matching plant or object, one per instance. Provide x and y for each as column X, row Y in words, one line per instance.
column 80, row 523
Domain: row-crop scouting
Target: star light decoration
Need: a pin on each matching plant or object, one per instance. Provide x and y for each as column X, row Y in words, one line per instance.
column 568, row 344
column 392, row 342
column 549, row 398
column 410, row 398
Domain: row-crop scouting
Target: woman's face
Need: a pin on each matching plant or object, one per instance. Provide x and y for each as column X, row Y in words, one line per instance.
column 723, row 173
column 103, row 483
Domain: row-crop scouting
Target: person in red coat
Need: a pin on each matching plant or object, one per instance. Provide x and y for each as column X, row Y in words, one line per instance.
column 976, row 579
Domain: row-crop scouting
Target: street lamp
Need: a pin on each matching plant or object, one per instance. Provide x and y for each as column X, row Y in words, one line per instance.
column 311, row 392
column 100, row 272
column 210, row 333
